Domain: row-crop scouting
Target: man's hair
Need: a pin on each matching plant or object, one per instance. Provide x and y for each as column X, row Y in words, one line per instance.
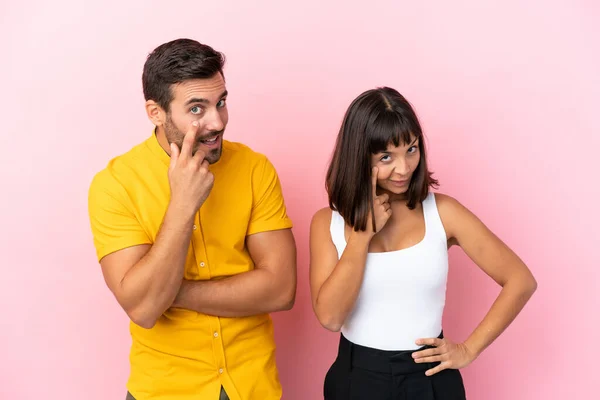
column 375, row 119
column 177, row 61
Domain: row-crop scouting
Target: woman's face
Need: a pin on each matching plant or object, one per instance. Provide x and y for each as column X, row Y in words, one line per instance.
column 396, row 166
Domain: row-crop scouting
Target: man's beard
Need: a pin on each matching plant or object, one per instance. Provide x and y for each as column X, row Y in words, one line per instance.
column 174, row 135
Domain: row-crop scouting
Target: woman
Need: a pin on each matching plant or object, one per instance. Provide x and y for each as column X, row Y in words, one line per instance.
column 379, row 262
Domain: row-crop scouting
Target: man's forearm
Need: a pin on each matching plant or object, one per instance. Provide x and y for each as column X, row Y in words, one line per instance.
column 251, row 293
column 154, row 281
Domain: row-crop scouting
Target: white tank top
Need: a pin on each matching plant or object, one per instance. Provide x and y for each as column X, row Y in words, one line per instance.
column 403, row 292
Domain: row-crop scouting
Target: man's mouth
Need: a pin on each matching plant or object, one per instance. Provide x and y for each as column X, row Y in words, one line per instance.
column 211, row 140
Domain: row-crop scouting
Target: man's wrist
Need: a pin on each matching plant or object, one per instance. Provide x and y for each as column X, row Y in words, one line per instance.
column 179, row 301
column 179, row 215
column 183, row 298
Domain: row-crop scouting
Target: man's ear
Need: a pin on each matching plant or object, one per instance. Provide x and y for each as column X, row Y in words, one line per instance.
column 156, row 114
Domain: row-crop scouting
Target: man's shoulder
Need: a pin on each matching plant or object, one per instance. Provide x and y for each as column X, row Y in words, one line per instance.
column 242, row 151
column 119, row 167
column 242, row 154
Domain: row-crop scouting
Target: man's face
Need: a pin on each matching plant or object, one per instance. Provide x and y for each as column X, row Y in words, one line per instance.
column 202, row 100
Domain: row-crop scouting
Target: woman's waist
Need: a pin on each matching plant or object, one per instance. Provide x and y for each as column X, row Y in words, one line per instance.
column 395, row 362
column 392, row 333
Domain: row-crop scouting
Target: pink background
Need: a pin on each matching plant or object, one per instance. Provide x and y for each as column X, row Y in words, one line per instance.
column 508, row 93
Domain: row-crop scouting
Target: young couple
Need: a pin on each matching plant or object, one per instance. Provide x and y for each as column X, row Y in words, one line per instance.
column 193, row 238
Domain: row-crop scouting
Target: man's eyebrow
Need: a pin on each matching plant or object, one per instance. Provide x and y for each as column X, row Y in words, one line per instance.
column 201, row 100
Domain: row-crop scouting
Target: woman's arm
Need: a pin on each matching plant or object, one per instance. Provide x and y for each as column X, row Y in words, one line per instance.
column 334, row 284
column 499, row 262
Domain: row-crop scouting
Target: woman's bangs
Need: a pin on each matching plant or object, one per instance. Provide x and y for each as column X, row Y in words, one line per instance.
column 389, row 128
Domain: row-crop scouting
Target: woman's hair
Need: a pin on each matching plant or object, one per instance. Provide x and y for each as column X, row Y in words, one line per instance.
column 374, row 120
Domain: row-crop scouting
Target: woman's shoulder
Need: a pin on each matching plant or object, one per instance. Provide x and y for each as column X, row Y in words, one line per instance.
column 445, row 201
column 451, row 211
column 322, row 217
column 320, row 227
column 448, row 207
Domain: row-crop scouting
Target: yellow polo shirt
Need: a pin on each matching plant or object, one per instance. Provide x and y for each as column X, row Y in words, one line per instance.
column 188, row 355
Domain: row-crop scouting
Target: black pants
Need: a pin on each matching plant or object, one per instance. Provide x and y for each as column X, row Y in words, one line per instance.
column 365, row 373
column 222, row 396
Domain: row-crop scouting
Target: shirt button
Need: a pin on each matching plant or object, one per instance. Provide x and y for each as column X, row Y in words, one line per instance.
column 220, row 370
column 216, row 334
column 202, row 264
column 195, row 227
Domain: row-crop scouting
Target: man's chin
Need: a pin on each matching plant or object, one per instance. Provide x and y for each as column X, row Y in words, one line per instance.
column 214, row 155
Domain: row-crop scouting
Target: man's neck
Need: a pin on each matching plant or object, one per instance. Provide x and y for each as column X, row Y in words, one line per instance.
column 162, row 139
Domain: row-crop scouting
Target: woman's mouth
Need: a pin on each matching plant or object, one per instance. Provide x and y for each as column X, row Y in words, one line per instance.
column 399, row 183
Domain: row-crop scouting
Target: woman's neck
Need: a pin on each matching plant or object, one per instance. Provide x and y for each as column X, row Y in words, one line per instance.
column 394, row 197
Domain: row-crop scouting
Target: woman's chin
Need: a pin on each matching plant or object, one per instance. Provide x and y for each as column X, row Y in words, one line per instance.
column 397, row 191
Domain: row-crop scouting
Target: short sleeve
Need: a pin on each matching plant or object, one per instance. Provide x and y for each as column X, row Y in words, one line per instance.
column 114, row 225
column 268, row 209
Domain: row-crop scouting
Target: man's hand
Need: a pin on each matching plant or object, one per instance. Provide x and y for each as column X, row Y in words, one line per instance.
column 189, row 176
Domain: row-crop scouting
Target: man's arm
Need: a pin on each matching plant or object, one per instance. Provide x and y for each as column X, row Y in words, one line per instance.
column 269, row 287
column 146, row 278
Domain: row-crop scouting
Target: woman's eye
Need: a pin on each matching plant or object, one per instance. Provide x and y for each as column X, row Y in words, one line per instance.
column 385, row 158
column 413, row 149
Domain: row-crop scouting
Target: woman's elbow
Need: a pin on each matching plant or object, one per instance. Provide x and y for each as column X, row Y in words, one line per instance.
column 532, row 285
column 330, row 325
column 526, row 284
column 328, row 320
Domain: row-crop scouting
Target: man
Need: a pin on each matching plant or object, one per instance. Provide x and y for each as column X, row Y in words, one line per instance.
column 194, row 241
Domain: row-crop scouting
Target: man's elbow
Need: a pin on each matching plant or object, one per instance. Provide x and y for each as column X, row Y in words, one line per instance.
column 142, row 319
column 287, row 304
column 286, row 299
column 146, row 323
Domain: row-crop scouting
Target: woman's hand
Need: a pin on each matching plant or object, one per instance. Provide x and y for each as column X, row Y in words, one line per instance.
column 381, row 207
column 450, row 355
